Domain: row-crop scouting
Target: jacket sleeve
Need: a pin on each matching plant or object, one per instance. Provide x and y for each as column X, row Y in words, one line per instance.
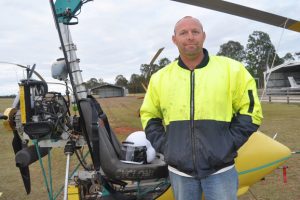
column 247, row 114
column 151, row 118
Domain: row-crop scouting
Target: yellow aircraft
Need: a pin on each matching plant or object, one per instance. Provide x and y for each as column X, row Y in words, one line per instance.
column 45, row 119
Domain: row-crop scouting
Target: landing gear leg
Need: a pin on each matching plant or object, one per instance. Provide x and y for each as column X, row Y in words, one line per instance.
column 69, row 150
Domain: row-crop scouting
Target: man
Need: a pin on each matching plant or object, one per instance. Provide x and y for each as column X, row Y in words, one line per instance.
column 198, row 111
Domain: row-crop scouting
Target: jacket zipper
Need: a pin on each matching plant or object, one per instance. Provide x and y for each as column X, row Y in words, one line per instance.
column 192, row 110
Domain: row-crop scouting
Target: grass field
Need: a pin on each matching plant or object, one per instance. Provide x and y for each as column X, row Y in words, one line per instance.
column 283, row 119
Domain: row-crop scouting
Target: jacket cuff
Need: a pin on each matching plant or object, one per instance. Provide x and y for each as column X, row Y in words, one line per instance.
column 241, row 128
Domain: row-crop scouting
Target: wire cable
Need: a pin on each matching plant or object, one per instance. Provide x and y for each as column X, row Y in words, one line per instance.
column 276, row 49
column 81, row 161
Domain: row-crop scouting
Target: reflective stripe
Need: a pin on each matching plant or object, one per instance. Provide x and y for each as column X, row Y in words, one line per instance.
column 263, row 166
column 251, row 103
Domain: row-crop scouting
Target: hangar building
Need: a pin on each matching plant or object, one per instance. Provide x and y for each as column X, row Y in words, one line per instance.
column 109, row 90
column 278, row 76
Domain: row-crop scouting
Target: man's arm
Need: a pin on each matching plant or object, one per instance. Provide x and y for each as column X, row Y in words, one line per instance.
column 155, row 133
column 151, row 118
column 247, row 108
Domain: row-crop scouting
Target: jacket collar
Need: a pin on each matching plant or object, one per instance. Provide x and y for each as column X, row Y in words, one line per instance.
column 203, row 63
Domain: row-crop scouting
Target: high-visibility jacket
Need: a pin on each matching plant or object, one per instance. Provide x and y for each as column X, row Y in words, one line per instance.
column 199, row 118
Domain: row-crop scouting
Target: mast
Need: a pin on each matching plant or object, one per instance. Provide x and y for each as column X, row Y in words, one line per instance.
column 63, row 12
column 69, row 48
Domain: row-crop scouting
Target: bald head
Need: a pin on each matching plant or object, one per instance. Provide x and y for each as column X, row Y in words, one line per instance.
column 189, row 38
column 187, row 18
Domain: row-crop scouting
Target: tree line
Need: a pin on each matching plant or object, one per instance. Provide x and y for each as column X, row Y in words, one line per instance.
column 137, row 82
column 258, row 55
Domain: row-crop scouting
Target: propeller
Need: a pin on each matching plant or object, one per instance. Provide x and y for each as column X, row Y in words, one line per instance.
column 32, row 71
column 18, row 146
column 246, row 12
column 17, row 143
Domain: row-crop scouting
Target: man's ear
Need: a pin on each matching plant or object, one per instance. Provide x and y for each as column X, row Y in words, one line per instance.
column 174, row 40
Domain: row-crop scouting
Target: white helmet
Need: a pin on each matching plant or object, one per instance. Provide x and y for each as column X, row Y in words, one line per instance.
column 137, row 149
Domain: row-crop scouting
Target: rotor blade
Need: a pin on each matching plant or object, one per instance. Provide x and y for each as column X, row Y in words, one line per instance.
column 156, row 55
column 17, row 146
column 22, row 66
column 246, row 12
column 144, row 86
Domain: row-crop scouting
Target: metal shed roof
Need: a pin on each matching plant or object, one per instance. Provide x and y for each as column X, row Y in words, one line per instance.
column 285, row 67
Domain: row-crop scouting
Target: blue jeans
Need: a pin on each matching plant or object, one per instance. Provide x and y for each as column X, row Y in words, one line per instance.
column 222, row 186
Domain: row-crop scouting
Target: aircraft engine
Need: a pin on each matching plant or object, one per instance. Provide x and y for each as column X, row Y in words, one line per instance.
column 43, row 114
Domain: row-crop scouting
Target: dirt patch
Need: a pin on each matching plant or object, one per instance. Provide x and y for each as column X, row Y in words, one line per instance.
column 125, row 130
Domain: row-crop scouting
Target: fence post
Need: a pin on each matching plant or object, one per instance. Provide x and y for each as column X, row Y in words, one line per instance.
column 270, row 99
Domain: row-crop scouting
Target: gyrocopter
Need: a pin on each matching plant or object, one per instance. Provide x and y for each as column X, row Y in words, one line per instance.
column 43, row 119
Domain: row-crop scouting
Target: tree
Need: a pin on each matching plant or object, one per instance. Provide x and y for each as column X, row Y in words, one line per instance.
column 297, row 54
column 135, row 84
column 120, row 80
column 163, row 62
column 260, row 54
column 101, row 81
column 232, row 49
column 147, row 70
column 288, row 57
column 93, row 82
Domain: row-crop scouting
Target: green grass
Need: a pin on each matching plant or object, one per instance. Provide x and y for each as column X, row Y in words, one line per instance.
column 122, row 113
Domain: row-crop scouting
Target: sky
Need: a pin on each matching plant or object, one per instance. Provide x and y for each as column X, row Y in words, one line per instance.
column 115, row 37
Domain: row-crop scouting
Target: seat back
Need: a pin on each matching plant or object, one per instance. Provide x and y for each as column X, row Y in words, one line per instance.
column 106, row 145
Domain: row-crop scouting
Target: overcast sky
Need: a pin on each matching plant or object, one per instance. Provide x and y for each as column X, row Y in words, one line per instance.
column 116, row 36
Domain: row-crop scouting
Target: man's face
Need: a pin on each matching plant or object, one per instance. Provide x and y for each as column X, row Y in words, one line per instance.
column 189, row 37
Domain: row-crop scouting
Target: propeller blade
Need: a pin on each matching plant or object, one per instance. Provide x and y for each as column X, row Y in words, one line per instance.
column 26, row 178
column 17, row 146
column 246, row 12
column 31, row 71
column 17, row 142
